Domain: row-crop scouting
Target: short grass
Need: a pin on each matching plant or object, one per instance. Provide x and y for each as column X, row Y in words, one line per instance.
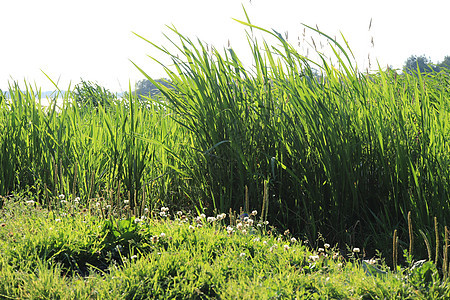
column 77, row 252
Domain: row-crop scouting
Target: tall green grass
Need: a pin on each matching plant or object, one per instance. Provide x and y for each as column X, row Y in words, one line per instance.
column 344, row 153
column 123, row 151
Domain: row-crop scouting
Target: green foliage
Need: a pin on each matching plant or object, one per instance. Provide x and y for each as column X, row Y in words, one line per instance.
column 423, row 275
column 121, row 231
column 91, row 94
column 181, row 260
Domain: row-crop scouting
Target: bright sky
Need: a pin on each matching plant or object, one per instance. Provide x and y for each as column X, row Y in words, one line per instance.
column 93, row 40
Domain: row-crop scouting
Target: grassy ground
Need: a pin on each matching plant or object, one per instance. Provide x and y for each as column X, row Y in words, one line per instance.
column 76, row 252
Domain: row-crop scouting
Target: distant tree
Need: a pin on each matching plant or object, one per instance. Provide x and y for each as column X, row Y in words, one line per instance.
column 445, row 64
column 89, row 93
column 421, row 63
column 144, row 88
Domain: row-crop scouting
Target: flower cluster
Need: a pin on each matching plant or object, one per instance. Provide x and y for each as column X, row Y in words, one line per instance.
column 163, row 213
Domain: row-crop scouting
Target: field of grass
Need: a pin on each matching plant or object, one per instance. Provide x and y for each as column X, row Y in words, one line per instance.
column 75, row 253
column 334, row 153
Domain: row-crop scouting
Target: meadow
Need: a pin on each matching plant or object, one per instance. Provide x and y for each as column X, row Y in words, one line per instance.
column 336, row 156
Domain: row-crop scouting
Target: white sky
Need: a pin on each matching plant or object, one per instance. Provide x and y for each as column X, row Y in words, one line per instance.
column 93, row 40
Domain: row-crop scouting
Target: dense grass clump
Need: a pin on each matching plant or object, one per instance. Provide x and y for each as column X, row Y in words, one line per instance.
column 111, row 150
column 343, row 153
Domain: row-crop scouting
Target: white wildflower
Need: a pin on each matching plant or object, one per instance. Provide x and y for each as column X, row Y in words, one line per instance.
column 371, row 261
column 221, row 216
column 314, row 257
column 254, row 213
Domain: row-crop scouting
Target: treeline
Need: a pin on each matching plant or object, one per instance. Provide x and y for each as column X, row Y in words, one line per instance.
column 424, row 65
